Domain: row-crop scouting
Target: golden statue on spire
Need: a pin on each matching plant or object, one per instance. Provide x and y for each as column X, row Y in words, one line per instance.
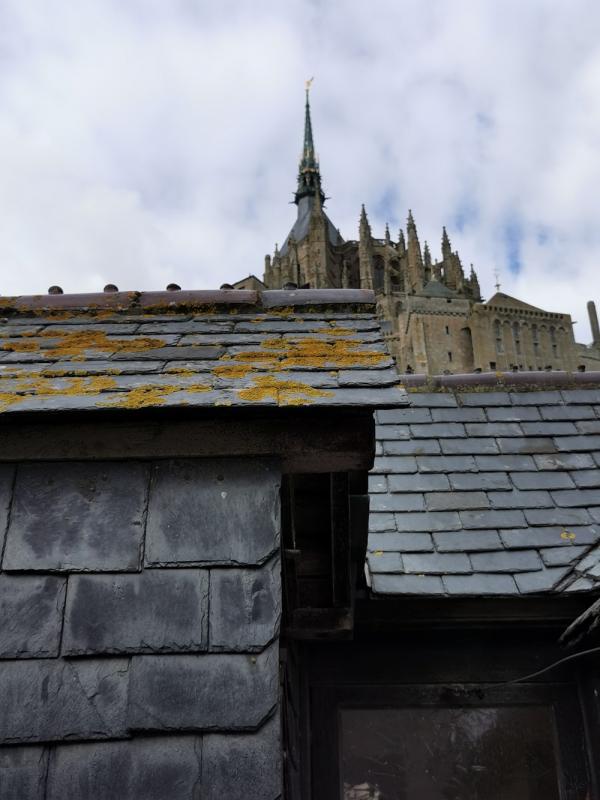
column 308, row 84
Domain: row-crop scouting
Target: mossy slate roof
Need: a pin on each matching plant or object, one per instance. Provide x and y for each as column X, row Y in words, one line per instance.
column 477, row 493
column 201, row 349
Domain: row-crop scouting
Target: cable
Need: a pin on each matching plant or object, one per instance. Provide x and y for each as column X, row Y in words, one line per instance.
column 548, row 668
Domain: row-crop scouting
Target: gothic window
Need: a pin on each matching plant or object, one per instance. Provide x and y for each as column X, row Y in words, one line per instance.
column 517, row 336
column 536, row 340
column 553, row 340
column 378, row 273
column 498, row 336
column 396, row 277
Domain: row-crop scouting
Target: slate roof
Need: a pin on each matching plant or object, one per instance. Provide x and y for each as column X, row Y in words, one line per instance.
column 199, row 349
column 484, row 490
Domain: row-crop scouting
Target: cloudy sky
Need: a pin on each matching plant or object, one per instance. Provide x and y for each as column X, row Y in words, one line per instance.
column 150, row 141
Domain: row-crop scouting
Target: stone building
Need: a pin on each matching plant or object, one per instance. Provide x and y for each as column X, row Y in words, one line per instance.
column 432, row 310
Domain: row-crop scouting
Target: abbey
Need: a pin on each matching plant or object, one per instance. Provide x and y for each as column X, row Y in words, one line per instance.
column 432, row 311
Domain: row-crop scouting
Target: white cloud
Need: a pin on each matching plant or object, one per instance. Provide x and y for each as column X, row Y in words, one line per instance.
column 149, row 142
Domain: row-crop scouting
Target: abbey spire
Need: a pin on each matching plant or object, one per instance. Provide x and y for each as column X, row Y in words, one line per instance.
column 309, row 176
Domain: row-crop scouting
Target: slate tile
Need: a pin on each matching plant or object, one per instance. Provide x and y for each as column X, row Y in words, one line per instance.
column 513, row 414
column 548, row 428
column 436, row 563
column 203, row 692
column 576, row 497
column 540, row 581
column 581, row 396
column 381, row 522
column 480, row 583
column 588, row 426
column 413, row 447
column 144, row 768
column 421, row 482
column 392, row 432
column 153, row 612
column 467, row 541
column 173, row 353
column 77, row 516
column 385, row 562
column 23, row 773
column 207, row 511
column 165, row 325
column 407, row 584
column 535, row 398
column 470, row 446
column 492, row 519
column 590, row 564
column 243, row 766
column 397, row 502
column 31, row 609
column 367, row 396
column 557, row 516
column 529, row 445
column 367, row 377
column 446, row 464
column 7, row 472
column 541, row 480
column 378, row 448
column 581, row 585
column 457, row 415
column 52, row 699
column 505, row 463
column 443, row 430
column 392, row 464
column 433, row 400
column 397, row 416
column 401, row 542
column 585, row 478
column 481, row 481
column 519, row 499
column 245, row 607
column 551, row 536
column 564, row 461
column 506, row 561
column 494, row 429
column 561, row 556
column 568, row 412
column 414, row 522
column 455, row 501
column 573, row 444
column 378, row 483
column 485, row 399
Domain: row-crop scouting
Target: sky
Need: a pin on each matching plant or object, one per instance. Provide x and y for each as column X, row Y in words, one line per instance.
column 156, row 141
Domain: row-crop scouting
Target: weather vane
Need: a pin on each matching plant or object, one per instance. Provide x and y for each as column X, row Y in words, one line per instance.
column 497, row 276
column 308, row 84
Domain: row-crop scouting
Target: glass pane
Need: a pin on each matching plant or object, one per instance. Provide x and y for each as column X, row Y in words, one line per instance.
column 503, row 753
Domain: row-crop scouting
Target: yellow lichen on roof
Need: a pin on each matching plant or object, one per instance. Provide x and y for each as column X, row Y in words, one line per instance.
column 150, row 395
column 336, row 331
column 41, row 387
column 232, row 370
column 319, row 353
column 75, row 343
column 267, row 387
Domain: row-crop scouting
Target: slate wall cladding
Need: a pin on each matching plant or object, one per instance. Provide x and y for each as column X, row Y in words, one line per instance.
column 140, row 598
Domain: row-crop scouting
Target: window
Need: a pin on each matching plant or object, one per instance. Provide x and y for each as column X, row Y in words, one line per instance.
column 498, row 335
column 449, row 355
column 429, row 720
column 492, row 365
column 516, row 337
column 447, row 331
column 536, row 340
column 488, row 752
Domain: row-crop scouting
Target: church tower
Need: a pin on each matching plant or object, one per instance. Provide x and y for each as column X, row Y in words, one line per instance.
column 311, row 255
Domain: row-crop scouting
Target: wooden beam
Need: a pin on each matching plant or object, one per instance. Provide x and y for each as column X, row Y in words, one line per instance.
column 325, row 442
